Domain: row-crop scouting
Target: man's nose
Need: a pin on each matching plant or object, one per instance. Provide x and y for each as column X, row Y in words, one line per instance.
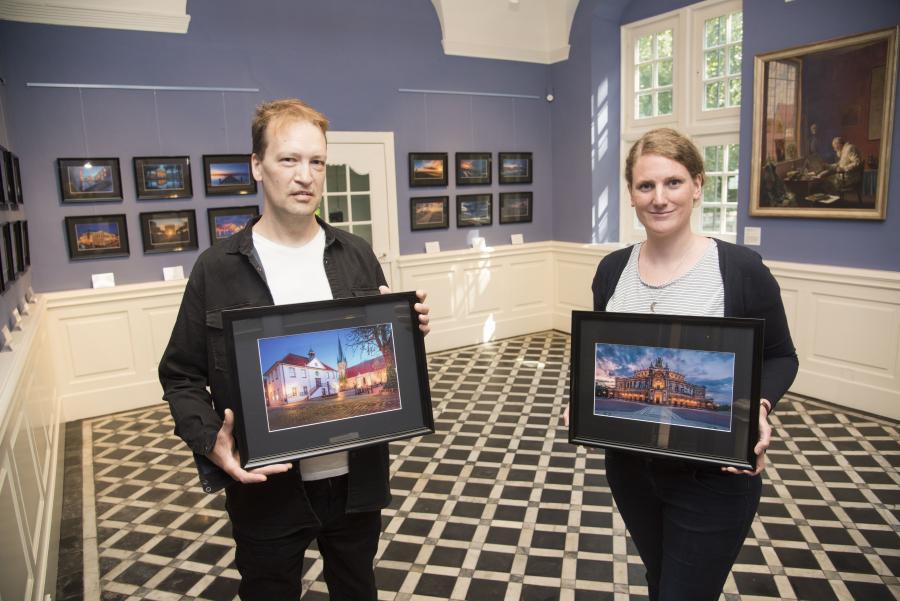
column 303, row 172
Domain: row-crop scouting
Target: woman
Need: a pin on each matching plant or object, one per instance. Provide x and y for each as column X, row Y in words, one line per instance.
column 687, row 520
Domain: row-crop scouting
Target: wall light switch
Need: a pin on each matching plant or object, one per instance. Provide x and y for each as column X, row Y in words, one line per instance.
column 752, row 236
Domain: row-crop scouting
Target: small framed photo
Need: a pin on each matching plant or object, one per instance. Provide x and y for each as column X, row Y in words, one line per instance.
column 17, row 181
column 226, row 222
column 9, row 253
column 4, row 272
column 169, row 231
column 429, row 212
column 7, row 186
column 90, row 180
column 27, row 245
column 427, row 169
column 516, row 207
column 228, row 175
column 19, row 244
column 163, row 177
column 96, row 236
column 473, row 210
column 514, row 167
column 316, row 378
column 473, row 168
column 682, row 387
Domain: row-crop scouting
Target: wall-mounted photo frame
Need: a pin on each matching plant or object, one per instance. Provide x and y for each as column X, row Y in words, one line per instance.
column 6, row 179
column 429, row 213
column 157, row 178
column 169, row 231
column 19, row 244
column 17, row 181
column 427, row 169
column 89, row 180
column 515, row 167
column 322, row 377
column 473, row 168
column 823, row 119
column 228, row 175
column 682, row 387
column 9, row 253
column 516, row 207
column 27, row 244
column 227, row 221
column 474, row 210
column 97, row 236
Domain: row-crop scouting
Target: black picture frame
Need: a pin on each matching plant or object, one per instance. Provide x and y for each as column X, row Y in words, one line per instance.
column 27, row 245
column 474, row 210
column 4, row 275
column 516, row 207
column 428, row 169
column 169, row 231
column 228, row 175
column 671, row 386
column 19, row 243
column 89, row 180
column 7, row 187
column 474, row 168
column 97, row 236
column 17, row 181
column 429, row 213
column 515, row 167
column 322, row 377
column 224, row 222
column 9, row 256
column 163, row 177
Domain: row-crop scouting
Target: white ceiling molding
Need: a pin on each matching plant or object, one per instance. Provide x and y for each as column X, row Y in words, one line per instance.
column 533, row 31
column 167, row 16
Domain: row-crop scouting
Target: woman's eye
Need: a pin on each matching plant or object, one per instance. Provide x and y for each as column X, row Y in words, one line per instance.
column 645, row 187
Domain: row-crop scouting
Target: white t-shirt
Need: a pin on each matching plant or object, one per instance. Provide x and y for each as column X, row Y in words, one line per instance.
column 297, row 275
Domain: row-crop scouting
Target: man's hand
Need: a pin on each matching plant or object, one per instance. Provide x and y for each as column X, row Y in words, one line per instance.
column 421, row 308
column 765, row 436
column 225, row 455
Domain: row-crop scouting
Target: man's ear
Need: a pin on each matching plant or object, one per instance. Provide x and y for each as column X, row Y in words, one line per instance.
column 256, row 167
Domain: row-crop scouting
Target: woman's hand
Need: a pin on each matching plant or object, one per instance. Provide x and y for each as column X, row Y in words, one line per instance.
column 765, row 436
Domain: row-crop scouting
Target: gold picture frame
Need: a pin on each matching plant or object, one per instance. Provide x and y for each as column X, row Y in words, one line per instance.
column 806, row 98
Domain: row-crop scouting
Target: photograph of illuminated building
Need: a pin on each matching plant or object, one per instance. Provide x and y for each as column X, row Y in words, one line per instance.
column 90, row 179
column 330, row 375
column 678, row 387
column 92, row 236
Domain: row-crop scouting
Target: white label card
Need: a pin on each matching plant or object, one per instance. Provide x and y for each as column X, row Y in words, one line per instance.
column 23, row 307
column 103, row 280
column 517, row 239
column 432, row 247
column 16, row 320
column 5, row 339
column 478, row 243
column 173, row 273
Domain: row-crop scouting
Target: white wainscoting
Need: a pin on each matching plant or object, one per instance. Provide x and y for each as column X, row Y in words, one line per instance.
column 31, row 442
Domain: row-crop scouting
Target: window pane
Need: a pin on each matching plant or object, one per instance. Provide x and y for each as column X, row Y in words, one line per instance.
column 346, row 228
column 731, row 193
column 644, row 49
column 712, row 158
column 362, row 207
column 715, row 97
column 711, row 220
column 737, row 27
column 734, row 152
column 712, row 189
column 664, row 44
column 359, row 182
column 734, row 92
column 337, row 209
column 735, row 55
column 645, row 105
column 715, row 32
column 336, row 178
column 364, row 231
column 730, row 221
column 714, row 64
column 665, row 102
column 665, row 73
column 645, row 76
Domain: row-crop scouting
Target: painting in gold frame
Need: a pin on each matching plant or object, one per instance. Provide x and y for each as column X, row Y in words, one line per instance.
column 822, row 128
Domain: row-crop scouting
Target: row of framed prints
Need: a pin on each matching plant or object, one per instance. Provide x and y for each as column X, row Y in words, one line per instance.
column 155, row 178
column 472, row 210
column 10, row 180
column 430, row 169
column 97, row 236
column 16, row 252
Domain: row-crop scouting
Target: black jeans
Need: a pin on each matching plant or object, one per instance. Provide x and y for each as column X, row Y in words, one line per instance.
column 687, row 521
column 271, row 568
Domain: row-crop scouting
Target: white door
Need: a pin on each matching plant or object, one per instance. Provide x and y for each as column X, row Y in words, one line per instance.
column 361, row 191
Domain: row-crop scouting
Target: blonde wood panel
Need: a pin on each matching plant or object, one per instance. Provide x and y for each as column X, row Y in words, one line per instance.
column 854, row 333
column 159, row 321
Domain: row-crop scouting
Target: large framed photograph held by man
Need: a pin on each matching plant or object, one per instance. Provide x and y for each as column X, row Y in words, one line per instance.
column 672, row 386
column 322, row 377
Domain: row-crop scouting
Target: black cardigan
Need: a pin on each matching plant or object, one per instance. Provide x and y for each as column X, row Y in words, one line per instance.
column 750, row 291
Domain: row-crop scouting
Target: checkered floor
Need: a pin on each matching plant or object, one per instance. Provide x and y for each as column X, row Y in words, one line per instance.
column 496, row 505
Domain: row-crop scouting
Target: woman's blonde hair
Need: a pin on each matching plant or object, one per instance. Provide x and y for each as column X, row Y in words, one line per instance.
column 666, row 142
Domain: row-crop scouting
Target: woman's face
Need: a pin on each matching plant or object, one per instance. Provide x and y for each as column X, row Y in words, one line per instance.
column 663, row 195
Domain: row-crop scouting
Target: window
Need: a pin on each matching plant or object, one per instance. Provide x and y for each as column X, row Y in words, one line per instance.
column 782, row 116
column 347, row 203
column 722, row 54
column 653, row 69
column 292, row 372
column 718, row 204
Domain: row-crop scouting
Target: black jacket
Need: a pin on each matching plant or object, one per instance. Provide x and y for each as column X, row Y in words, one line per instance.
column 750, row 291
column 229, row 275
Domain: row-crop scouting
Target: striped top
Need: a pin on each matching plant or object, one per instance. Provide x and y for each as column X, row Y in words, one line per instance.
column 699, row 291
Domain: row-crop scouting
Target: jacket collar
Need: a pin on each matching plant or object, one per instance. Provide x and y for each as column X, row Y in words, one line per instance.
column 242, row 242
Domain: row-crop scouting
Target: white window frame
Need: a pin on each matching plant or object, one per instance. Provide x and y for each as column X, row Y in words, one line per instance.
column 716, row 140
column 719, row 126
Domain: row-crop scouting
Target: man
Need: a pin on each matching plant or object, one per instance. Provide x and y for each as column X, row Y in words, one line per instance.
column 287, row 255
column 846, row 174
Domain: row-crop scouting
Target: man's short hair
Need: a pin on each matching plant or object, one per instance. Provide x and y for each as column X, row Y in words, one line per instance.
column 838, row 141
column 278, row 111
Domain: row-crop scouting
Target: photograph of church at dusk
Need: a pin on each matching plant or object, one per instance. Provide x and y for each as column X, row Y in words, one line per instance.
column 678, row 387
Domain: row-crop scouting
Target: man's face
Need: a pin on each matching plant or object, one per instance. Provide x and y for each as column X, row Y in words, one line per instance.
column 292, row 170
column 837, row 146
column 813, row 128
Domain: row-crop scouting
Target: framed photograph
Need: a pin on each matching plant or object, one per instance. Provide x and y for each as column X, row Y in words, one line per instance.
column 516, row 207
column 822, row 128
column 27, row 245
column 169, row 231
column 427, row 169
column 473, row 210
column 96, row 236
column 6, row 176
column 473, row 168
column 163, row 177
column 514, row 167
column 429, row 212
column 225, row 222
column 228, row 175
column 9, row 254
column 90, row 180
column 682, row 387
column 19, row 244
column 17, row 181
column 316, row 378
